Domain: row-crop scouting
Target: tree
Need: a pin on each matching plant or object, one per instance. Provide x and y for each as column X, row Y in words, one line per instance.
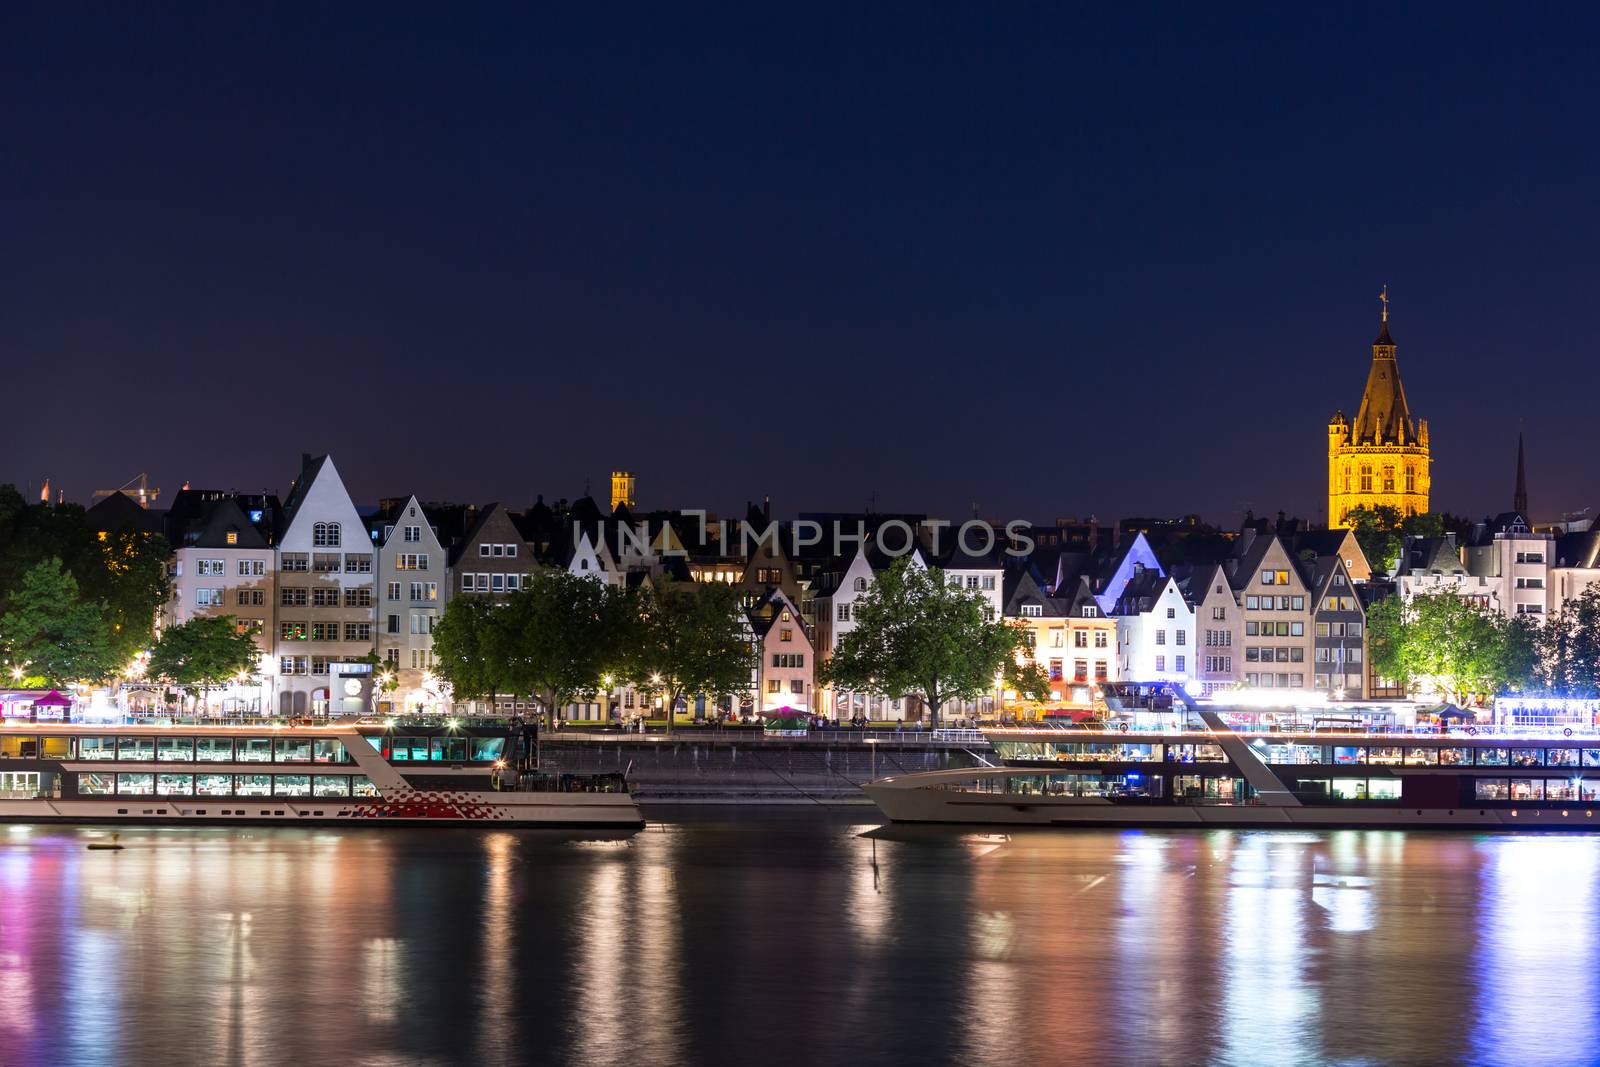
column 1464, row 650
column 918, row 635
column 1378, row 533
column 130, row 580
column 1569, row 647
column 462, row 649
column 558, row 636
column 688, row 638
column 56, row 637
column 207, row 652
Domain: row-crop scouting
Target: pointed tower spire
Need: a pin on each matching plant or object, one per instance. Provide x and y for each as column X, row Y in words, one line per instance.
column 1519, row 502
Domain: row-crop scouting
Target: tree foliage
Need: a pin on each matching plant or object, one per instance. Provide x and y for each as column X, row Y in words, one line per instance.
column 464, row 649
column 1465, row 651
column 123, row 575
column 689, row 639
column 206, row 652
column 918, row 635
column 1382, row 531
column 558, row 636
column 1568, row 647
column 52, row 633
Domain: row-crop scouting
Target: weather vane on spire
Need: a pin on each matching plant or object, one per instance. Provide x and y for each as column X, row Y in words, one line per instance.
column 1384, row 297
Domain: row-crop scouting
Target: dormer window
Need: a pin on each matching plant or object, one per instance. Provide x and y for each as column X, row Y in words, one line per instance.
column 1090, row 611
column 233, row 537
column 1033, row 611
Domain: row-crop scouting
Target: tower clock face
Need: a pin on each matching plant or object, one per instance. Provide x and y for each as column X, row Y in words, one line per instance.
column 352, row 688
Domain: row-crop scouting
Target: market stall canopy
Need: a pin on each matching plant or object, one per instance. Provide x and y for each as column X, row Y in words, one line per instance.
column 53, row 699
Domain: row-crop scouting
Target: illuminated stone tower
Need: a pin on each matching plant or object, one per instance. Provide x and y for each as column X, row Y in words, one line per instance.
column 1380, row 459
column 622, row 489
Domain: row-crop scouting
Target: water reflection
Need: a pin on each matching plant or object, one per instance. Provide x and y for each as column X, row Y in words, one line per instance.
column 798, row 937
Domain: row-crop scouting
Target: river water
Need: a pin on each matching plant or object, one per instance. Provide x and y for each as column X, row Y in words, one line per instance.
column 782, row 936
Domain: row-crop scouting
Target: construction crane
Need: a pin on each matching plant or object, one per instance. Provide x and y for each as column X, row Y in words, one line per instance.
column 143, row 494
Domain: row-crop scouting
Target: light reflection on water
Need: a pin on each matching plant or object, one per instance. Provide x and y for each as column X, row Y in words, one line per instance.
column 779, row 937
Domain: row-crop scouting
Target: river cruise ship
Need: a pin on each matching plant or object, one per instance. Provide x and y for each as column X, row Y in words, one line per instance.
column 1213, row 767
column 388, row 774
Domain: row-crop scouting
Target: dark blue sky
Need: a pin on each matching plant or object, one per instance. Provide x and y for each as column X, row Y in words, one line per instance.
column 1047, row 262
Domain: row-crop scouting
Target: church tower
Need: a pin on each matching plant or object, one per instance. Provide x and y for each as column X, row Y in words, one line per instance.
column 1380, row 459
column 622, row 484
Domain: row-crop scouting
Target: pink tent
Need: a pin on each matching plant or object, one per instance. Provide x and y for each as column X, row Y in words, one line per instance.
column 52, row 699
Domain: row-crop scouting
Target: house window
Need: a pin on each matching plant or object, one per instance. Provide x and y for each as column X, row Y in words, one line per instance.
column 1366, row 479
column 1161, row 663
column 358, row 563
column 842, row 612
column 413, row 534
column 325, row 535
column 988, row 581
column 1219, row 613
column 1177, row 664
column 1100, row 639
column 1080, row 639
column 1180, row 637
column 861, row 585
column 292, row 597
column 294, row 561
column 358, row 631
column 1032, row 611
column 1161, row 637
column 1090, row 611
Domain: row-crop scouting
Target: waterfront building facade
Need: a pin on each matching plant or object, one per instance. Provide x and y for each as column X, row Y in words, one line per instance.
column 411, row 588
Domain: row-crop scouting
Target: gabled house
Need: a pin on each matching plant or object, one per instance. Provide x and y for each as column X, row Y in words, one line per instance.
column 412, row 587
column 1218, row 625
column 1155, row 630
column 492, row 558
column 1275, row 609
column 1339, row 622
column 325, row 597
column 786, row 669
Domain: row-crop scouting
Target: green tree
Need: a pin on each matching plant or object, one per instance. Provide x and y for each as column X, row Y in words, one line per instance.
column 1464, row 650
column 918, row 635
column 686, row 639
column 128, row 575
column 1569, row 647
column 558, row 636
column 463, row 647
column 1378, row 533
column 54, row 635
column 207, row 652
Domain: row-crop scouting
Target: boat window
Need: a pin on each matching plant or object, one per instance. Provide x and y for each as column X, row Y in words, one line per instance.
column 408, row 749
column 294, row 750
column 1561, row 757
column 291, row 785
column 450, row 749
column 97, row 748
column 214, row 785
column 1494, row 757
column 1492, row 789
column 1591, row 757
column 174, row 785
column 136, row 785
column 1197, row 754
column 253, row 749
column 214, row 749
column 1422, row 757
column 485, row 749
column 252, row 785
column 1455, row 757
column 331, row 785
column 1312, row 787
column 1527, row 757
column 11, row 746
column 1560, row 789
column 1291, row 753
column 1527, row 789
column 57, row 748
column 1342, row 754
column 1349, row 788
column 96, row 785
column 175, row 749
column 328, row 750
column 1589, row 789
column 136, row 748
column 1383, row 789
column 361, row 786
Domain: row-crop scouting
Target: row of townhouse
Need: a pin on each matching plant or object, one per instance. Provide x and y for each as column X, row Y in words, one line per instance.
column 325, row 589
column 1504, row 565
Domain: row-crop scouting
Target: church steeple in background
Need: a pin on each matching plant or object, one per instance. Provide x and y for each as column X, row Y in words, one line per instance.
column 1519, row 500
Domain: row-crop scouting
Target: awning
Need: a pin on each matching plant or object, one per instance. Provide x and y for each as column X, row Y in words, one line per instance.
column 52, row 699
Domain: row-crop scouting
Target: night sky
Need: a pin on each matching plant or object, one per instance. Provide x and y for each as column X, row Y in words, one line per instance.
column 1045, row 262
